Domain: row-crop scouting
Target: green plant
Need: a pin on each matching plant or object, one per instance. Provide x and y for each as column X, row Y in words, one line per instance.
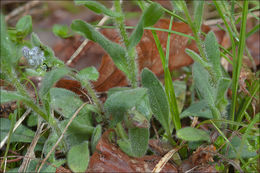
column 75, row 126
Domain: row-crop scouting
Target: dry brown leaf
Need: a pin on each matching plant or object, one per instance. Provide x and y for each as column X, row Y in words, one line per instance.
column 109, row 158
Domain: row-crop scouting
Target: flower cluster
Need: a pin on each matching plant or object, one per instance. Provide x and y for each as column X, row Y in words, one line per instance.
column 34, row 56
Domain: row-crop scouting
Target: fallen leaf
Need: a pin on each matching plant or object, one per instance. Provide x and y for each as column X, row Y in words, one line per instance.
column 109, row 158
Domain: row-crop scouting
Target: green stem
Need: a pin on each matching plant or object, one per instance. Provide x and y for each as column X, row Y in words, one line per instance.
column 237, row 61
column 121, row 131
column 130, row 52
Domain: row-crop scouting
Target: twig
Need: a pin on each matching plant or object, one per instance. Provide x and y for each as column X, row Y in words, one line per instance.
column 19, row 10
column 30, row 152
column 219, row 21
column 62, row 135
column 15, row 126
column 84, row 43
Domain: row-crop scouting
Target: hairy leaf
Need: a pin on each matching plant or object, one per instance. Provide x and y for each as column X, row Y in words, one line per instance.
column 21, row 134
column 78, row 157
column 213, row 53
column 138, row 141
column 199, row 109
column 24, row 26
column 192, row 134
column 197, row 58
column 149, row 17
column 89, row 73
column 51, row 78
column 117, row 104
column 9, row 96
column 157, row 97
column 95, row 137
column 61, row 31
column 116, row 52
column 97, row 8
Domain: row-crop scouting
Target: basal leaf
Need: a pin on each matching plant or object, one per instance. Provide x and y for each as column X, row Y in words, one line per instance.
column 21, row 134
column 139, row 141
column 89, row 73
column 157, row 97
column 192, row 134
column 213, row 53
column 97, row 8
column 202, row 83
column 150, row 16
column 24, row 26
column 9, row 96
column 199, row 109
column 245, row 153
column 118, row 103
column 51, row 78
column 221, row 98
column 78, row 157
column 96, row 135
column 180, row 93
column 116, row 52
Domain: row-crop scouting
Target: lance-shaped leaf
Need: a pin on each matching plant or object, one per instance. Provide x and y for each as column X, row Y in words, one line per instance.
column 96, row 135
column 51, row 78
column 157, row 97
column 222, row 87
column 202, row 83
column 197, row 58
column 97, row 8
column 192, row 134
column 138, row 141
column 116, row 52
column 9, row 96
column 213, row 53
column 150, row 16
column 118, row 103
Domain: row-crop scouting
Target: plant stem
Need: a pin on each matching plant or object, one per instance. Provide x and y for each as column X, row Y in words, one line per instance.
column 121, row 131
column 131, row 54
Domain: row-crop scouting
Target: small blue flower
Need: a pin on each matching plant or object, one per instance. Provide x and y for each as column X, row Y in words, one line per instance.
column 34, row 56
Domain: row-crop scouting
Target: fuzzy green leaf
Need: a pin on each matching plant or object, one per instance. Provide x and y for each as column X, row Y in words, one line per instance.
column 8, row 55
column 95, row 137
column 192, row 134
column 97, row 8
column 213, row 53
column 51, row 78
column 78, row 157
column 116, row 52
column 197, row 58
column 118, row 103
column 138, row 141
column 61, row 31
column 202, row 83
column 89, row 73
column 24, row 26
column 157, row 97
column 9, row 96
column 21, row 134
column 199, row 109
column 245, row 153
column 222, row 87
column 150, row 16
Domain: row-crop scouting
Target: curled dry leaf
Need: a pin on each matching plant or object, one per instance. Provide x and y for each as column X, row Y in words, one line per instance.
column 200, row 160
column 109, row 158
column 148, row 55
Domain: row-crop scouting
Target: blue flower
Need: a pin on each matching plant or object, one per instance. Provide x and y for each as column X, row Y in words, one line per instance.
column 34, row 56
